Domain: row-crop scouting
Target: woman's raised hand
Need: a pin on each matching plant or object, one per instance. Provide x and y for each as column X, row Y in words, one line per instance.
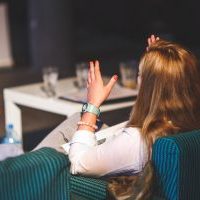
column 151, row 40
column 97, row 91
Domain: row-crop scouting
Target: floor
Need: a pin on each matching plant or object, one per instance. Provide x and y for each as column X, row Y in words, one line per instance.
column 37, row 124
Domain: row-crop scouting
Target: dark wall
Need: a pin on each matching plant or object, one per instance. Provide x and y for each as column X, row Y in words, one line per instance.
column 40, row 33
column 137, row 19
column 50, row 33
column 19, row 36
column 105, row 29
column 63, row 32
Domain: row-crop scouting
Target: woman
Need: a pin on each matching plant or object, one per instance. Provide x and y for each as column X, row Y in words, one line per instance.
column 167, row 103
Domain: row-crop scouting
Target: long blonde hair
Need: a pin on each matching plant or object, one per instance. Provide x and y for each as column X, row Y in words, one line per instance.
column 168, row 102
column 169, row 97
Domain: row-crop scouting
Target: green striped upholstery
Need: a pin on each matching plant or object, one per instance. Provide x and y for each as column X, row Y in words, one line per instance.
column 88, row 188
column 33, row 176
column 177, row 164
column 44, row 174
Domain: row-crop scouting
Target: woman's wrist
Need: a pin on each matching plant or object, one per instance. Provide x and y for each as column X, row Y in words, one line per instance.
column 95, row 103
column 88, row 118
column 91, row 108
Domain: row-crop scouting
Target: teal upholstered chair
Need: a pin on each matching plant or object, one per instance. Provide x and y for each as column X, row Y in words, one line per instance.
column 177, row 165
column 44, row 174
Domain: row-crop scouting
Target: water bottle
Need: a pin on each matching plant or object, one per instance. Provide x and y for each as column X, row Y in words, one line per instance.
column 10, row 145
column 10, row 137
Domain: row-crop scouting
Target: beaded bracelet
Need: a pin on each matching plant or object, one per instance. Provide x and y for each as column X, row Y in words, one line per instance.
column 95, row 127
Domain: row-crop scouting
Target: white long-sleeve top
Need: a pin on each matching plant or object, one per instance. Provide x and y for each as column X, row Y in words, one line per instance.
column 125, row 151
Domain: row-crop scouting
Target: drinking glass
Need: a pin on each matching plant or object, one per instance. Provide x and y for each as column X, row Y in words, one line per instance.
column 81, row 74
column 128, row 72
column 50, row 79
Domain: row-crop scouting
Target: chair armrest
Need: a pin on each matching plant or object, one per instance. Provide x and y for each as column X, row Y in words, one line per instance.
column 45, row 174
column 177, row 163
column 39, row 174
column 86, row 188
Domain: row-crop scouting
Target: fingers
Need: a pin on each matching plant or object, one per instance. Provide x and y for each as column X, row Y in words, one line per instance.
column 97, row 70
column 94, row 72
column 91, row 71
column 112, row 82
column 157, row 38
column 89, row 78
column 149, row 41
column 152, row 39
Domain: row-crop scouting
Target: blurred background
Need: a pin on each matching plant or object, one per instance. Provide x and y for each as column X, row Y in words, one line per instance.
column 64, row 32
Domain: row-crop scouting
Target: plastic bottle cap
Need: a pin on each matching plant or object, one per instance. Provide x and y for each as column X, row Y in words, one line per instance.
column 10, row 126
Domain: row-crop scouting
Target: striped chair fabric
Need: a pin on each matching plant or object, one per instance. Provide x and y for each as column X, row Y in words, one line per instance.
column 44, row 174
column 177, row 164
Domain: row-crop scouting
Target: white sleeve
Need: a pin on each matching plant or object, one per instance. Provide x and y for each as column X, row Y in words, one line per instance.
column 125, row 151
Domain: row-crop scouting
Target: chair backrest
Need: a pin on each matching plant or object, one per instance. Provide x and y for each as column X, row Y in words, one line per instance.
column 176, row 160
column 177, row 166
column 38, row 175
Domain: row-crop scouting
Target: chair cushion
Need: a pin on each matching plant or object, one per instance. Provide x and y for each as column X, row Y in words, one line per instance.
column 177, row 163
column 88, row 188
column 41, row 174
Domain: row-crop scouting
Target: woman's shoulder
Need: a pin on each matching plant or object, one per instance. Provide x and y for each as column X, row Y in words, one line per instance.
column 118, row 130
column 132, row 131
column 129, row 133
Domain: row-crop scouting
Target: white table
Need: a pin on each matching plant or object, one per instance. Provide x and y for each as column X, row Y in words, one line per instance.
column 32, row 96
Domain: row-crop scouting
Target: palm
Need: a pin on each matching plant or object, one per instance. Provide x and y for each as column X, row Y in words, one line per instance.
column 97, row 91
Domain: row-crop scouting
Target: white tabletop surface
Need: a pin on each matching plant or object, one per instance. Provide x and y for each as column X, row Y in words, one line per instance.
column 32, row 95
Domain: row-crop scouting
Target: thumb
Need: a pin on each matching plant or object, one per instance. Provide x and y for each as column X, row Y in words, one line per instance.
column 112, row 82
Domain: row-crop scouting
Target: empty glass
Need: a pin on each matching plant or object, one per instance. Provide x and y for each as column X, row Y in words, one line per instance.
column 81, row 74
column 128, row 72
column 50, row 79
